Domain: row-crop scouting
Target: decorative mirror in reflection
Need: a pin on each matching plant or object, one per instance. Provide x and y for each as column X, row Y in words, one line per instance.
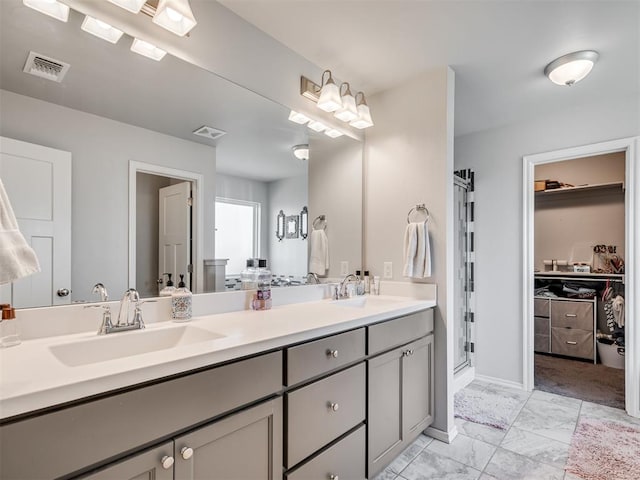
column 292, row 226
column 304, row 223
column 280, row 228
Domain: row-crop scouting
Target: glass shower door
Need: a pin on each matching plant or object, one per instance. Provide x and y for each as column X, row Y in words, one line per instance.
column 462, row 339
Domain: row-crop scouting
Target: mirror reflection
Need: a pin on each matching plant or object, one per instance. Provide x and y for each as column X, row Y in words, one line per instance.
column 173, row 169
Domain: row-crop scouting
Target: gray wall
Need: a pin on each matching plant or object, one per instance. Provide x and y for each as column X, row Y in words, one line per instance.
column 101, row 150
column 496, row 156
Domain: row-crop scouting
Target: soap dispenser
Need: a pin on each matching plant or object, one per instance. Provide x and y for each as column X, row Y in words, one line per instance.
column 168, row 290
column 181, row 302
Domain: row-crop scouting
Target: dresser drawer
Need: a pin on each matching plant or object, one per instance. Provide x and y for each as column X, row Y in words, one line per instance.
column 345, row 459
column 393, row 333
column 322, row 411
column 541, row 326
column 572, row 314
column 541, row 307
column 572, row 342
column 541, row 343
column 315, row 358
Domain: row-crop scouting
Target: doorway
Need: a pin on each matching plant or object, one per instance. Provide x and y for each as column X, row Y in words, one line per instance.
column 629, row 148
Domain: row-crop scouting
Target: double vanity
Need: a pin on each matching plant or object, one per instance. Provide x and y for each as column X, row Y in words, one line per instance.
column 316, row 390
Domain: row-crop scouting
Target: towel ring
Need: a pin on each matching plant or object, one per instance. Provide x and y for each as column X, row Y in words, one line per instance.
column 419, row 208
column 320, row 218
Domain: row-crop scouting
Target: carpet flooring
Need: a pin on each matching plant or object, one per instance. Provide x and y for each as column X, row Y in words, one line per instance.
column 578, row 379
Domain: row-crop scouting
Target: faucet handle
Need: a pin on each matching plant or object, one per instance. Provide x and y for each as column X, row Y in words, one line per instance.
column 106, row 324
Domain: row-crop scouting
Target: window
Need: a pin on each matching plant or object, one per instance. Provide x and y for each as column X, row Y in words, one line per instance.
column 237, row 232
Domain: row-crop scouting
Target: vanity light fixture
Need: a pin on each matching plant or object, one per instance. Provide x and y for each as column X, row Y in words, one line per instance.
column 101, row 29
column 148, row 50
column 348, row 112
column 298, row 117
column 316, row 126
column 53, row 8
column 133, row 6
column 333, row 133
column 571, row 68
column 175, row 15
column 329, row 99
column 301, row 152
column 364, row 114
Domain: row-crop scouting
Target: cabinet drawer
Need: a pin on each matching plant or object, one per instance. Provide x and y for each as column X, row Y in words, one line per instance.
column 572, row 314
column 541, row 326
column 541, row 307
column 345, row 459
column 315, row 358
column 572, row 342
column 322, row 411
column 393, row 333
column 541, row 343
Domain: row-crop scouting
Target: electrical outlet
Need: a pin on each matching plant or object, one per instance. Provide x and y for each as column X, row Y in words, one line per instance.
column 344, row 268
column 388, row 270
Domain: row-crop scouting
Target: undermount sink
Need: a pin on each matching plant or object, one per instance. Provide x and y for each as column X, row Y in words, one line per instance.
column 127, row 344
column 362, row 301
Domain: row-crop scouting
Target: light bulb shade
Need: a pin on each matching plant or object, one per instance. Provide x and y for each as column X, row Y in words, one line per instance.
column 329, row 100
column 333, row 133
column 364, row 117
column 571, row 68
column 53, row 8
column 298, row 117
column 301, row 152
column 317, row 126
column 133, row 6
column 348, row 112
column 175, row 15
column 101, row 29
column 148, row 50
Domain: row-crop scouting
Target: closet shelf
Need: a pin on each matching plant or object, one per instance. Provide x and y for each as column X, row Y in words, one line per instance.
column 582, row 188
column 579, row 275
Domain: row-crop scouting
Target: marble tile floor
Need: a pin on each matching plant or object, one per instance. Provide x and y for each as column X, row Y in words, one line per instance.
column 535, row 446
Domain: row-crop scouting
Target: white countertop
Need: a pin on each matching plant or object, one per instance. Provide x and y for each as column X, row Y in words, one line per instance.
column 32, row 377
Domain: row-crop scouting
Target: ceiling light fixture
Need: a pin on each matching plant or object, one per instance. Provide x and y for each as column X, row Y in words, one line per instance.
column 148, row 50
column 175, row 15
column 329, row 99
column 298, row 117
column 348, row 112
column 571, row 68
column 101, row 29
column 53, row 8
column 301, row 152
column 133, row 6
column 316, row 126
column 364, row 114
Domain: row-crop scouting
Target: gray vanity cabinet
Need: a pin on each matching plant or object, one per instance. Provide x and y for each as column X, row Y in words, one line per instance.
column 154, row 464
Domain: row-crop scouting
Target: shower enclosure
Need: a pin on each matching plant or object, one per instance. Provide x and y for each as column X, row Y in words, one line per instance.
column 463, row 269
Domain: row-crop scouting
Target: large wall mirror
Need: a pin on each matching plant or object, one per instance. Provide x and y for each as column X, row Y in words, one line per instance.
column 142, row 183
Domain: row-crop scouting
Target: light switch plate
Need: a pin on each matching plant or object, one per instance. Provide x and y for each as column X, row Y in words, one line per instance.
column 388, row 270
column 344, row 268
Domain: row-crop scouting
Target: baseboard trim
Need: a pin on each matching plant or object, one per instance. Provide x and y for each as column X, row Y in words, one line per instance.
column 500, row 381
column 446, row 437
column 463, row 378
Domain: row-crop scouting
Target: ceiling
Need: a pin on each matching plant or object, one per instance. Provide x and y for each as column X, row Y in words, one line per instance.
column 498, row 49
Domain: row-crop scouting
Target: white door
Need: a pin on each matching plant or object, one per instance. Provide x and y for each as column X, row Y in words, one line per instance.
column 175, row 232
column 38, row 182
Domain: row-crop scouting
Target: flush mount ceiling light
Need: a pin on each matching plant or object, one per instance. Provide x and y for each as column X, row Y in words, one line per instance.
column 301, row 152
column 101, row 29
column 571, row 68
column 133, row 6
column 53, row 8
column 298, row 117
column 175, row 15
column 148, row 50
column 348, row 112
column 364, row 115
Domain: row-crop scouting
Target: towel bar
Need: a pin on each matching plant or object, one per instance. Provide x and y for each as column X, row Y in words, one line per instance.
column 418, row 208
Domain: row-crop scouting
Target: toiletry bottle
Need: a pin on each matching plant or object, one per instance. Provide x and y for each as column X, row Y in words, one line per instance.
column 367, row 282
column 9, row 334
column 262, row 297
column 168, row 290
column 375, row 287
column 248, row 275
column 181, row 303
column 359, row 288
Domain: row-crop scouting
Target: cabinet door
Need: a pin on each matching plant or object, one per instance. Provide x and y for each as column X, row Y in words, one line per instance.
column 155, row 464
column 385, row 409
column 417, row 398
column 246, row 445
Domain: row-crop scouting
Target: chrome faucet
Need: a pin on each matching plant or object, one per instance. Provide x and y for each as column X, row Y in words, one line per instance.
column 100, row 289
column 130, row 296
column 341, row 290
column 123, row 324
column 314, row 277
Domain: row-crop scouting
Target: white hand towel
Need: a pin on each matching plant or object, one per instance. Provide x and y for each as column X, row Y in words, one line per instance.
column 427, row 251
column 319, row 252
column 410, row 249
column 417, row 251
column 17, row 258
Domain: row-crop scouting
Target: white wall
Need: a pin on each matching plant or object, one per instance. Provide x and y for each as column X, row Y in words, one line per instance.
column 288, row 257
column 496, row 156
column 101, row 150
column 409, row 160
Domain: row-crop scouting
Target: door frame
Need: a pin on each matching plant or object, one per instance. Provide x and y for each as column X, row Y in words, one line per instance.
column 631, row 147
column 197, row 225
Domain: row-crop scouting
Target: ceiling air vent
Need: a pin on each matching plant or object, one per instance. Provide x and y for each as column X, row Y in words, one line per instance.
column 209, row 132
column 45, row 67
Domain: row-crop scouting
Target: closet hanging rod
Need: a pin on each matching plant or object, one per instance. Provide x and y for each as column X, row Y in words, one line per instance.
column 418, row 208
column 603, row 278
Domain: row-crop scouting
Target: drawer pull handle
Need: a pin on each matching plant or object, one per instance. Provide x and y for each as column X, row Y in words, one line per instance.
column 186, row 453
column 332, row 353
column 572, row 315
column 167, row 462
column 572, row 343
column 333, row 406
column 333, row 477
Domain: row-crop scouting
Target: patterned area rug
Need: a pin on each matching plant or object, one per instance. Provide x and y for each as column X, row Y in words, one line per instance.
column 604, row 450
column 485, row 407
